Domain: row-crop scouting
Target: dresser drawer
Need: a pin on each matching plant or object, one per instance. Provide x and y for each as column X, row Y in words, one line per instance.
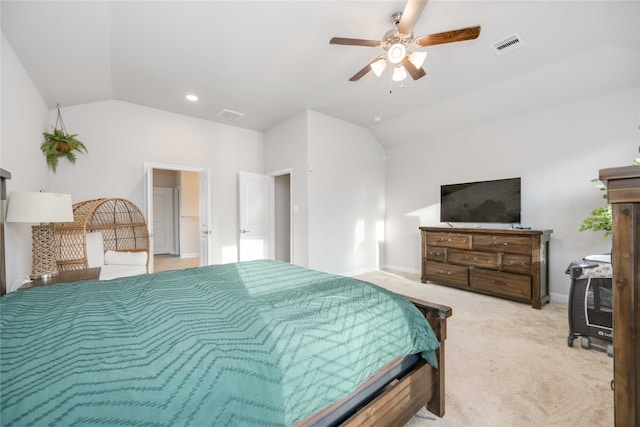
column 500, row 283
column 516, row 263
column 449, row 240
column 453, row 275
column 473, row 258
column 435, row 253
column 506, row 244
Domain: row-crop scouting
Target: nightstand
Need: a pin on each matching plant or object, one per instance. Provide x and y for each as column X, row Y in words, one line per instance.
column 65, row 277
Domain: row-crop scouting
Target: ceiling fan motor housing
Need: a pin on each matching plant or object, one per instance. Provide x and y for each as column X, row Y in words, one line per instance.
column 399, row 43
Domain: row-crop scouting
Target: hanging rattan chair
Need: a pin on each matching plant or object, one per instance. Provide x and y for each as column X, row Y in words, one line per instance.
column 121, row 223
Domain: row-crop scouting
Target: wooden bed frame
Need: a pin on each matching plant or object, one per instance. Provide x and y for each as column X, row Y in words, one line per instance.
column 399, row 401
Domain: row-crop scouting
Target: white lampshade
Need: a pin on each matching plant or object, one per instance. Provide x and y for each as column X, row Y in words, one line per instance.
column 39, row 207
column 396, row 53
column 378, row 66
column 399, row 73
column 417, row 58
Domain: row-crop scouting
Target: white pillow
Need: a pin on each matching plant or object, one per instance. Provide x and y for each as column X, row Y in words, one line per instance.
column 108, row 272
column 125, row 258
column 95, row 249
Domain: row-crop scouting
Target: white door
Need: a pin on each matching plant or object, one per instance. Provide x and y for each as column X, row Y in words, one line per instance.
column 256, row 206
column 163, row 221
column 205, row 221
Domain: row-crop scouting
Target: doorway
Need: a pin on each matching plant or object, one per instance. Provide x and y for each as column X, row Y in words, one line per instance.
column 177, row 202
column 265, row 216
column 282, row 217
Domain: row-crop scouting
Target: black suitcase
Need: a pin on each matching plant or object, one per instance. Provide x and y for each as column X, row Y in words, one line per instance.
column 591, row 302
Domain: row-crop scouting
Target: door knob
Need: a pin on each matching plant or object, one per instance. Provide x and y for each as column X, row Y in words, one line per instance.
column 244, row 231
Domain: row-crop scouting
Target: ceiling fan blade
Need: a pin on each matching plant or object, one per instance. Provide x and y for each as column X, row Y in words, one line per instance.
column 415, row 73
column 355, row 42
column 449, row 36
column 410, row 15
column 357, row 76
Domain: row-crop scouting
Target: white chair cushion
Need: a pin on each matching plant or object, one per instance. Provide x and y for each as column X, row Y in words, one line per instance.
column 125, row 258
column 95, row 249
column 113, row 271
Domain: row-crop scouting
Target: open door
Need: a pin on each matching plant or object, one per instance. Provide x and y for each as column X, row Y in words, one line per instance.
column 204, row 207
column 255, row 216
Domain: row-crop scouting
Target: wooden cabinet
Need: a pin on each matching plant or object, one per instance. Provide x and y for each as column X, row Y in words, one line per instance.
column 506, row 263
column 623, row 191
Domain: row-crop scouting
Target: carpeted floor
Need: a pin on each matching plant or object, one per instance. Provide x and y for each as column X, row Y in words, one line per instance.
column 509, row 365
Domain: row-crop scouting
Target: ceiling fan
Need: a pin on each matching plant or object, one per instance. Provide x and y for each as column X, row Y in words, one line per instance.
column 399, row 44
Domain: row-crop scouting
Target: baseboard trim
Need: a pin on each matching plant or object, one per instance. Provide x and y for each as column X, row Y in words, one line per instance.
column 559, row 298
column 401, row 269
column 358, row 272
column 190, row 255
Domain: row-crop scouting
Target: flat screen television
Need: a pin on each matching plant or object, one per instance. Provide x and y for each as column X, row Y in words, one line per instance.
column 496, row 201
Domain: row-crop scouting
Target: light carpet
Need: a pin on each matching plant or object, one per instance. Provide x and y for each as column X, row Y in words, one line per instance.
column 509, row 365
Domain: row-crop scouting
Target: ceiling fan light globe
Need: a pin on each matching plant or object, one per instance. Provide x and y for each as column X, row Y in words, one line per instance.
column 418, row 58
column 399, row 73
column 396, row 53
column 379, row 66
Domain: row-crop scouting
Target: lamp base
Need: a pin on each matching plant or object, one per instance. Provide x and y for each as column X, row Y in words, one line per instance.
column 44, row 276
column 43, row 254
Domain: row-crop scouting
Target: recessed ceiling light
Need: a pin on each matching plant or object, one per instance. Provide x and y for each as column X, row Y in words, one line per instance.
column 191, row 97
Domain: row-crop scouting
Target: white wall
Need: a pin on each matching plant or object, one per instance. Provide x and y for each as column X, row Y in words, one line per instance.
column 556, row 151
column 121, row 137
column 338, row 189
column 346, row 196
column 24, row 116
column 285, row 146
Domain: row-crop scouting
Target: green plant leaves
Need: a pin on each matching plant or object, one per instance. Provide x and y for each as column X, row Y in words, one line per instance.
column 60, row 144
column 598, row 220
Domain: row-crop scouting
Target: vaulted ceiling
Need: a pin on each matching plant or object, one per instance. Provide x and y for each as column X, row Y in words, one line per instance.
column 272, row 59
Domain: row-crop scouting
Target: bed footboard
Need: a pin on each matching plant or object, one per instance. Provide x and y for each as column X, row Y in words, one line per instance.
column 436, row 315
column 423, row 386
column 401, row 399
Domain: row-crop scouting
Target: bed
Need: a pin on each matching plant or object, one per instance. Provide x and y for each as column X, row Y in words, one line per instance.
column 251, row 343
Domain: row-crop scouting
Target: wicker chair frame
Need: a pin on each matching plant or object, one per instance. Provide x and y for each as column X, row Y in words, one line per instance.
column 121, row 222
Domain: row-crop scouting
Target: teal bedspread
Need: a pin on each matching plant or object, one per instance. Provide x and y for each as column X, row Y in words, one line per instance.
column 253, row 343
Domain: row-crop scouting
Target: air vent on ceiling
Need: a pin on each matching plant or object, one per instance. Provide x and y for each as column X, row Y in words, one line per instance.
column 507, row 44
column 230, row 115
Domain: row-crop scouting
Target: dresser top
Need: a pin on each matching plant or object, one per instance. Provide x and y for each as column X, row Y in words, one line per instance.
column 493, row 231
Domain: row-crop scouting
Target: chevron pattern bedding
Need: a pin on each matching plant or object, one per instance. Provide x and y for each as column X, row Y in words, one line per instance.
column 259, row 343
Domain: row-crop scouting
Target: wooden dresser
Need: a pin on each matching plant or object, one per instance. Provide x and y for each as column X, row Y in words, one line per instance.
column 506, row 263
column 623, row 191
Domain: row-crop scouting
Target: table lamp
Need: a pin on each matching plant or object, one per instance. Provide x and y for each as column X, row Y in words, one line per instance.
column 45, row 209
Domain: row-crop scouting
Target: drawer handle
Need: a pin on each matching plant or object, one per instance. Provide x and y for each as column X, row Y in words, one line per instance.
column 442, row 239
column 499, row 243
column 434, row 253
column 473, row 258
column 498, row 282
column 517, row 263
column 448, row 273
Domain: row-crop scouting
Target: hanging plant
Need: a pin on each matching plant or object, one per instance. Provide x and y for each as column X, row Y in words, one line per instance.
column 60, row 144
